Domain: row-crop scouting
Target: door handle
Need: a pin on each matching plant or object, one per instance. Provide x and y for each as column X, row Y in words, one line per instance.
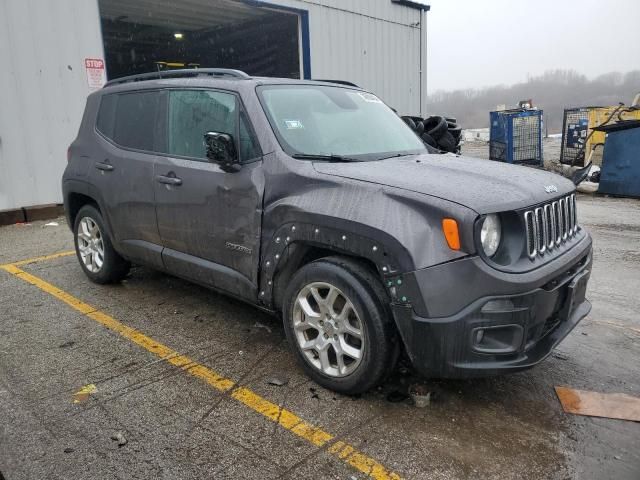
column 169, row 180
column 105, row 167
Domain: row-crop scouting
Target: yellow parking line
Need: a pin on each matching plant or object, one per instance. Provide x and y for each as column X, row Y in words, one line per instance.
column 285, row 418
column 41, row 259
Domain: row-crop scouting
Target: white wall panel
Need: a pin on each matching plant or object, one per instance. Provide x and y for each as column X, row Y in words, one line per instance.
column 43, row 88
column 373, row 43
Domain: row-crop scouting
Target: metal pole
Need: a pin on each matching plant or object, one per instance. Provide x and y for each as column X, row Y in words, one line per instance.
column 423, row 62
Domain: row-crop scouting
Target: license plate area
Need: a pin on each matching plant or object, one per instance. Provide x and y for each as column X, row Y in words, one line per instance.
column 576, row 294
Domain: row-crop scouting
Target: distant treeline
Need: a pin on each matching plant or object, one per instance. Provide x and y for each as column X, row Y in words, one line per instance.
column 553, row 91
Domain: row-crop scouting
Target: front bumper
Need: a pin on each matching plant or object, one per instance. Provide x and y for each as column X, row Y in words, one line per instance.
column 493, row 322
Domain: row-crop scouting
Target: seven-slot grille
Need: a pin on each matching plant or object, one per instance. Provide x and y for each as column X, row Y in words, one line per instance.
column 550, row 225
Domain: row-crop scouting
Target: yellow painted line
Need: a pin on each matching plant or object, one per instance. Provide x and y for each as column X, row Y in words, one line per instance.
column 82, row 395
column 42, row 259
column 285, row 418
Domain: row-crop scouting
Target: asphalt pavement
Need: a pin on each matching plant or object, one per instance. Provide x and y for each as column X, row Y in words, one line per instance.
column 158, row 378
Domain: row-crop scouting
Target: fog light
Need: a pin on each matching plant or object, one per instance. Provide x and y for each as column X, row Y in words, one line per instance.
column 497, row 339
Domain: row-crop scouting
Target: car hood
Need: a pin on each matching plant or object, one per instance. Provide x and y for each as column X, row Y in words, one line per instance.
column 483, row 185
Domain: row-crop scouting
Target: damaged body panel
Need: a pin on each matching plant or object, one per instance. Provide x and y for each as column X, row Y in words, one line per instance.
column 252, row 187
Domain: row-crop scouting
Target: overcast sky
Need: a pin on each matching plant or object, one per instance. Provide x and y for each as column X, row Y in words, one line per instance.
column 476, row 43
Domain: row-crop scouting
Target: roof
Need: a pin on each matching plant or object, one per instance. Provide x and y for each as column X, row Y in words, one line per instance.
column 419, row 4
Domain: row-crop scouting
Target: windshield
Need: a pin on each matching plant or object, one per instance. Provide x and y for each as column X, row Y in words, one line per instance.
column 319, row 120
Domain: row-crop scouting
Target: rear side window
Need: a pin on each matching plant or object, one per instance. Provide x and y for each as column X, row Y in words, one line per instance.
column 107, row 115
column 136, row 120
column 130, row 119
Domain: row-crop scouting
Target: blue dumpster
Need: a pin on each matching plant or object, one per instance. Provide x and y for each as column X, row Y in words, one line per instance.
column 515, row 136
column 620, row 171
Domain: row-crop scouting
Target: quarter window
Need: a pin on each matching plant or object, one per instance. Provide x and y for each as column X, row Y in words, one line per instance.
column 107, row 115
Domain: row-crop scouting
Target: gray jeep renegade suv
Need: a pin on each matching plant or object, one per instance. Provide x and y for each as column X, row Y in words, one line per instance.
column 315, row 201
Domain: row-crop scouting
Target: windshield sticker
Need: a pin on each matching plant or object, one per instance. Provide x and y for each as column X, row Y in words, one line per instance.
column 369, row 97
column 293, row 124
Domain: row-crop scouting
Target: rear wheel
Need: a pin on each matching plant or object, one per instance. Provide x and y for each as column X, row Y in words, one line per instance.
column 338, row 326
column 98, row 259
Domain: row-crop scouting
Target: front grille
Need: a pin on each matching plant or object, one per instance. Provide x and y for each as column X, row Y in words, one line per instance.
column 551, row 225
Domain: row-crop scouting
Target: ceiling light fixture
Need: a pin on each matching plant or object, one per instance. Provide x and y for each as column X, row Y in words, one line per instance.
column 178, row 36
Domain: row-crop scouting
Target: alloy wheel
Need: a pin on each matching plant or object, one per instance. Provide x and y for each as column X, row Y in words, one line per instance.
column 328, row 330
column 90, row 244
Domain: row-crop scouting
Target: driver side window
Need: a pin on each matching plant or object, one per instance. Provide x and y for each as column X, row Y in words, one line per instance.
column 192, row 113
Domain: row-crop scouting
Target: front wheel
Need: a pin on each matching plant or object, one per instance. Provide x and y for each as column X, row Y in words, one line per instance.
column 336, row 321
column 98, row 259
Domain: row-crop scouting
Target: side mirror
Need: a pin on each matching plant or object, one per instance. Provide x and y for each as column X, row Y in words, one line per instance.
column 221, row 149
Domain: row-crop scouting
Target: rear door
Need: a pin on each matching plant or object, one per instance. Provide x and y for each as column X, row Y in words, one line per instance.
column 209, row 220
column 122, row 171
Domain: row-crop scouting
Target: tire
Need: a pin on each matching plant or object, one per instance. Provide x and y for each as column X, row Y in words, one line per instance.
column 89, row 234
column 435, row 126
column 419, row 127
column 378, row 344
column 447, row 143
column 428, row 139
column 455, row 130
column 411, row 124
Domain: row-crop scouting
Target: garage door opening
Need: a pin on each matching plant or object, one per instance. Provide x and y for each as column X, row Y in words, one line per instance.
column 151, row 35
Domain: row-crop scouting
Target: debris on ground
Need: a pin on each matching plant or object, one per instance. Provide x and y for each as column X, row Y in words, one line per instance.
column 120, row 438
column 52, row 224
column 420, row 395
column 82, row 395
column 313, row 393
column 596, row 404
column 70, row 343
column 69, row 450
column 278, row 382
column 560, row 356
column 260, row 325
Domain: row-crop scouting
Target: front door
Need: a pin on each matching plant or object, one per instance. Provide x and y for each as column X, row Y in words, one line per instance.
column 209, row 220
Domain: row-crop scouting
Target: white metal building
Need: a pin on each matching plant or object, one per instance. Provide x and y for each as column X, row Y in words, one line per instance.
column 53, row 53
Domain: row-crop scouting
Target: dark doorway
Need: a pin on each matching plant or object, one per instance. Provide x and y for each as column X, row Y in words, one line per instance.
column 150, row 35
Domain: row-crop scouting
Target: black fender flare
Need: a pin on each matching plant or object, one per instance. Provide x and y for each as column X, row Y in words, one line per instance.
column 378, row 248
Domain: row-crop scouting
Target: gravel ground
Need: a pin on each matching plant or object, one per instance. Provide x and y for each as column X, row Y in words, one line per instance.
column 177, row 426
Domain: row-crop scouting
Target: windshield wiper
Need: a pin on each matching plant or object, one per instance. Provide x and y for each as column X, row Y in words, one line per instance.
column 326, row 158
column 396, row 155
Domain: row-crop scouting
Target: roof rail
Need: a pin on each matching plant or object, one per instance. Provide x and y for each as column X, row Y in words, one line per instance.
column 339, row 82
column 184, row 73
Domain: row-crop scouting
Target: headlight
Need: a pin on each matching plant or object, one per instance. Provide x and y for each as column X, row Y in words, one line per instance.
column 490, row 234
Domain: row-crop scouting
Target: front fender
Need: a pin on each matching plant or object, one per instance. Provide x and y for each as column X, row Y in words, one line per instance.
column 385, row 250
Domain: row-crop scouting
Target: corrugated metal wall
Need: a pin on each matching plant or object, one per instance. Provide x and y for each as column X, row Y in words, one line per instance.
column 43, row 87
column 43, row 84
column 373, row 43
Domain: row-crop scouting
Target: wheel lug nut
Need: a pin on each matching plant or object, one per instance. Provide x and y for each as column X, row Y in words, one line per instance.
column 335, row 337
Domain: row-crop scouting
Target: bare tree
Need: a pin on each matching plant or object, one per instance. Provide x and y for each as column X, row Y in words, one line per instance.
column 553, row 91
